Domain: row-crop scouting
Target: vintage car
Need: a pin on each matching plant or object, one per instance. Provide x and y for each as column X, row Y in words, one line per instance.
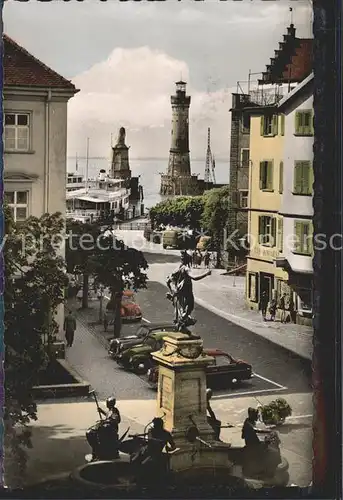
column 226, row 371
column 129, row 311
column 119, row 345
column 138, row 358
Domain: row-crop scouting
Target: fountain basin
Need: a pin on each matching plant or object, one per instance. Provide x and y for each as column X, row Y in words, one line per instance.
column 117, row 474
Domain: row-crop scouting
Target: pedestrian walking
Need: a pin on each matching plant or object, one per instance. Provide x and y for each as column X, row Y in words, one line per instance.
column 69, row 328
column 272, row 309
column 291, row 308
column 195, row 259
column 207, row 259
column 264, row 304
column 282, row 306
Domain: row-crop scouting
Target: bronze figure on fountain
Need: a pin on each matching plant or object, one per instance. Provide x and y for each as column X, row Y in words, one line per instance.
column 181, row 294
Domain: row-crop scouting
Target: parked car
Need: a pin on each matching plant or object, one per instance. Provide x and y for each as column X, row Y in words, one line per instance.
column 119, row 345
column 225, row 372
column 129, row 311
column 138, row 358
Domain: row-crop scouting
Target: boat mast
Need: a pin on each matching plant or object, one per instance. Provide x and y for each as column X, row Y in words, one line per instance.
column 87, row 158
column 76, row 166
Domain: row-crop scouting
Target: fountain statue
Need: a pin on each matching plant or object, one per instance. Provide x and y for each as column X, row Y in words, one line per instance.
column 181, row 294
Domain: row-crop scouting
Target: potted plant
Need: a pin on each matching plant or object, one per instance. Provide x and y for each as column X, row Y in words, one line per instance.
column 276, row 412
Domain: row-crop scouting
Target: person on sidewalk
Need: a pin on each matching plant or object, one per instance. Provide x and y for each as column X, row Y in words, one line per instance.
column 272, row 309
column 69, row 328
column 264, row 304
column 207, row 259
column 282, row 306
column 211, row 418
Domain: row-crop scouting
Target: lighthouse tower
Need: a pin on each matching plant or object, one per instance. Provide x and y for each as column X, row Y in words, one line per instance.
column 179, row 164
column 179, row 179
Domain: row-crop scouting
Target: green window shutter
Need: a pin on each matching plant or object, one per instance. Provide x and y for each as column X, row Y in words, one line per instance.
column 306, row 177
column 261, row 174
column 262, row 125
column 273, row 231
column 280, row 231
column 297, row 185
column 312, row 124
column 298, row 123
column 260, row 225
column 310, row 240
column 275, row 124
column 281, row 178
column 307, row 117
column 269, row 175
column 311, row 179
column 298, row 237
column 282, row 124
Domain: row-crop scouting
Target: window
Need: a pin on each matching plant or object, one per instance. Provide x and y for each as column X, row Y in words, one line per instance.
column 252, row 287
column 223, row 360
column 245, row 123
column 303, row 237
column 304, row 122
column 281, row 178
column 18, row 204
column 305, row 301
column 269, row 125
column 280, row 234
column 245, row 155
column 303, row 178
column 266, row 175
column 267, row 231
column 243, row 199
column 17, row 132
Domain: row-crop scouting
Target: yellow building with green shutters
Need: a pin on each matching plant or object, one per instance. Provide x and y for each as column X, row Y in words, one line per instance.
column 280, row 203
column 266, row 187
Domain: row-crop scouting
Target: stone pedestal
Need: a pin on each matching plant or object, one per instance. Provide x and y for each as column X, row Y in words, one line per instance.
column 181, row 401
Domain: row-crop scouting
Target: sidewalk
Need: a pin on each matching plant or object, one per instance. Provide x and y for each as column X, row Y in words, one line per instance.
column 224, row 296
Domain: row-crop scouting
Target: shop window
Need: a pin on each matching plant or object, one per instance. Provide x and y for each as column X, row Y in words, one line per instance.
column 252, row 287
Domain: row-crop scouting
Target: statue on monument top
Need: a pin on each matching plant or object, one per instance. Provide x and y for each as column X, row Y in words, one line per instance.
column 181, row 294
column 121, row 136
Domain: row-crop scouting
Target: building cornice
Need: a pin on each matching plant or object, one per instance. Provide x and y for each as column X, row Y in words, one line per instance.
column 37, row 92
column 19, row 176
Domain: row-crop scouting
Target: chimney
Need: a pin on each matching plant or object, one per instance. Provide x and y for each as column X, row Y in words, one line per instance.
column 291, row 31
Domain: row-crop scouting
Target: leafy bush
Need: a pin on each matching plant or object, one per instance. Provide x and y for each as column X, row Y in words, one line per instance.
column 276, row 411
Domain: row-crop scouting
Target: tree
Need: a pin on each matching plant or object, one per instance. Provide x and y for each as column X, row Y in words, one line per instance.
column 80, row 242
column 214, row 216
column 118, row 267
column 180, row 212
column 111, row 263
column 35, row 279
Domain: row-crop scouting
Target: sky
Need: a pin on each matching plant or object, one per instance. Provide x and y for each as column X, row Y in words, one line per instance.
column 125, row 58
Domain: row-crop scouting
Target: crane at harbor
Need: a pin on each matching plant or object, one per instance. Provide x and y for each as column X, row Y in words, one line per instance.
column 210, row 162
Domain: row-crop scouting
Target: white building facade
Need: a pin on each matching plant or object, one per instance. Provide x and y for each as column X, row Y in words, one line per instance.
column 35, row 135
column 296, row 185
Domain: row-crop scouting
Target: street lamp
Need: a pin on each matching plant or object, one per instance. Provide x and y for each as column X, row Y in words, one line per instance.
column 100, row 297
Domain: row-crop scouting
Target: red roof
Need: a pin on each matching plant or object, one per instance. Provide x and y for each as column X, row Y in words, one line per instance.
column 22, row 69
column 301, row 63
